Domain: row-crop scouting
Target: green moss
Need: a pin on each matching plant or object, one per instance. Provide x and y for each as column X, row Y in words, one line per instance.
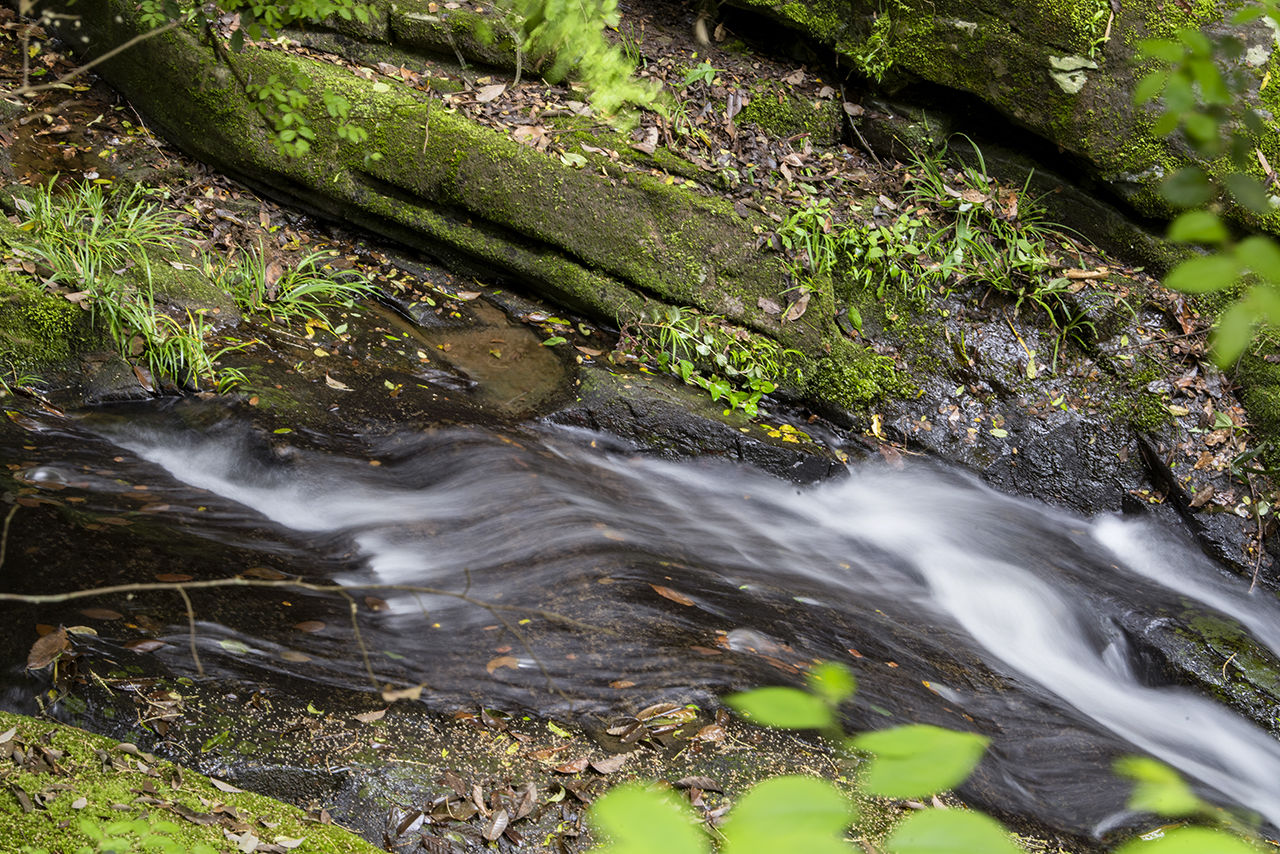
column 1260, row 381
column 853, row 377
column 100, row 784
column 778, row 111
column 39, row 332
column 1143, row 410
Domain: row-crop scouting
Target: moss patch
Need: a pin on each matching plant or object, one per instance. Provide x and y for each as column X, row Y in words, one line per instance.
column 39, row 332
column 778, row 111
column 63, row 785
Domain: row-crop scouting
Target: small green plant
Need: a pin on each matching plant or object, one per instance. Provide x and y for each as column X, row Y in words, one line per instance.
column 917, row 761
column 298, row 293
column 874, row 57
column 705, row 351
column 703, row 73
column 993, row 235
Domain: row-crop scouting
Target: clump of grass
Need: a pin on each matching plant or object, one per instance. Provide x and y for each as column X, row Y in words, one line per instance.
column 303, row 292
column 102, row 243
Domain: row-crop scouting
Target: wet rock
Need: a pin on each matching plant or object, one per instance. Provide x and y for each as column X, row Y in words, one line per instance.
column 660, row 416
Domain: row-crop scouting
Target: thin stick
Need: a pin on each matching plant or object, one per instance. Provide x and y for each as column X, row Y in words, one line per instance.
column 237, row 581
column 355, row 630
column 4, row 538
column 191, row 624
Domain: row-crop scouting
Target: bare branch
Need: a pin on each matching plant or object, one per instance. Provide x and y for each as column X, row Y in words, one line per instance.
column 191, row 624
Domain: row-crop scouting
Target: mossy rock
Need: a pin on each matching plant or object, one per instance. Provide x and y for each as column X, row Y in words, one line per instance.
column 88, row 787
column 1064, row 69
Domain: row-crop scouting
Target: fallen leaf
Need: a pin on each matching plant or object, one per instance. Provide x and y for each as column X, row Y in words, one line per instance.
column 622, row 683
column 288, row 843
column 412, row 693
column 46, row 650
column 577, row 766
column 1203, row 494
column 370, row 717
column 173, row 577
column 796, row 310
column 144, row 645
column 224, row 787
column 376, row 604
column 332, row 383
column 263, row 573
column 610, row 764
column 769, row 306
column 497, row 823
column 101, row 614
column 485, row 94
column 310, row 626
column 795, row 78
column 668, row 593
column 295, row 656
column 502, row 661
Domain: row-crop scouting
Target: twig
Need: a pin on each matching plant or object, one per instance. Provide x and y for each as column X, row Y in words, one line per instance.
column 4, row 538
column 191, row 624
column 355, row 631
column 1225, row 663
column 237, row 581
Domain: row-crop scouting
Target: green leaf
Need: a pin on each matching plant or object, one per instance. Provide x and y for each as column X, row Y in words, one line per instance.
column 553, row 341
column 1233, row 332
column 1166, row 124
column 787, row 708
column 793, row 813
column 949, row 832
column 1249, row 192
column 1202, row 128
column 1247, row 14
column 1198, row 226
column 1165, row 50
column 1204, row 274
column 1261, row 255
column 1151, row 86
column 637, row 820
column 918, row 760
column 1187, row 188
column 1189, row 840
column 1159, row 788
column 832, row 682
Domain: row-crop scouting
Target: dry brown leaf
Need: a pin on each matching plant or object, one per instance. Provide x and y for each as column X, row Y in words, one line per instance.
column 337, row 384
column 101, row 614
column 46, row 650
column 411, row 693
column 610, row 764
column 497, row 823
column 668, row 593
column 172, row 577
column 485, row 94
column 295, row 656
column 795, row 78
column 577, row 766
column 145, row 645
column 310, row 626
column 796, row 310
column 376, row 604
column 370, row 717
column 263, row 573
column 502, row 661
column 769, row 306
column 224, row 787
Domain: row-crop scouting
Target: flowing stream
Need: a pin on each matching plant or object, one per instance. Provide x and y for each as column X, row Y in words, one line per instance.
column 681, row 580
